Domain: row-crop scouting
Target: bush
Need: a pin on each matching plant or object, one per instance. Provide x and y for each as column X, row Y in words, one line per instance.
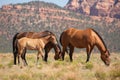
column 115, row 72
column 10, row 64
column 23, row 77
column 89, row 65
column 100, row 75
column 1, row 66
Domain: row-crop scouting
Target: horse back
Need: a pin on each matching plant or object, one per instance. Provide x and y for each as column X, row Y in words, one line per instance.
column 78, row 38
column 31, row 44
column 25, row 34
column 33, row 35
column 77, row 33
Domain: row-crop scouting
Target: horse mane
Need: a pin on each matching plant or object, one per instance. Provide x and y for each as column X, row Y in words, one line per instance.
column 100, row 38
column 46, row 33
column 49, row 32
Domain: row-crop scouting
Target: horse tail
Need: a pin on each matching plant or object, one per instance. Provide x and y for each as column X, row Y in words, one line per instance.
column 61, row 38
column 61, row 41
column 15, row 49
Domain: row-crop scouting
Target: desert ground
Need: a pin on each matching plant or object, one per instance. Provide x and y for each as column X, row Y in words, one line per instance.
column 60, row 70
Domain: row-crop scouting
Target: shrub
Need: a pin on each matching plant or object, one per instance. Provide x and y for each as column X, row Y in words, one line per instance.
column 115, row 72
column 10, row 64
column 24, row 77
column 1, row 66
column 100, row 75
column 57, row 64
column 89, row 65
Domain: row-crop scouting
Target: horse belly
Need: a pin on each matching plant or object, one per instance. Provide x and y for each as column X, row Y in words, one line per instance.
column 78, row 42
column 30, row 46
column 78, row 45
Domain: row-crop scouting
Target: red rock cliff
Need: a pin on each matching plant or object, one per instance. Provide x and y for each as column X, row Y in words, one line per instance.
column 103, row 8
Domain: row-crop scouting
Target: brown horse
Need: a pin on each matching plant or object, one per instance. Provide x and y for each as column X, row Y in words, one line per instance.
column 83, row 39
column 33, row 44
column 36, row 35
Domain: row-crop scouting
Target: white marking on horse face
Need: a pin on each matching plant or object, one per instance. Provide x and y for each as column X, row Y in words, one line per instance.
column 54, row 40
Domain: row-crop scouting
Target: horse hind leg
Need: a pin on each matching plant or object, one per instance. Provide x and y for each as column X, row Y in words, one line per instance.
column 20, row 55
column 23, row 57
column 71, row 52
column 15, row 55
column 25, row 60
column 63, row 52
column 18, row 59
column 46, row 54
column 15, row 52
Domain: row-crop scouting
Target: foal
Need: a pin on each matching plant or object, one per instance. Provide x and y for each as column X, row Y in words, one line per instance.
column 33, row 44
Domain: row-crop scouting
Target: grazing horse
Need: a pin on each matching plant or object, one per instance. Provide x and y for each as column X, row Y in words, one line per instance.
column 33, row 44
column 36, row 35
column 83, row 39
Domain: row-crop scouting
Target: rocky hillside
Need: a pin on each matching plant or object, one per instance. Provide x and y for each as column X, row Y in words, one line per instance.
column 101, row 8
column 39, row 16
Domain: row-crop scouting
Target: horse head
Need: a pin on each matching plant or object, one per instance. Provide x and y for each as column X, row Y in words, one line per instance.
column 57, row 52
column 53, row 40
column 106, row 57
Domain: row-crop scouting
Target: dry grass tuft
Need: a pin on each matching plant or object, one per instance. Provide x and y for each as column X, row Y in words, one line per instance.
column 60, row 70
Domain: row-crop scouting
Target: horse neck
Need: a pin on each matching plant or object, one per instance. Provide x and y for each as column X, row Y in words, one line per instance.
column 100, row 44
column 46, row 40
column 57, row 48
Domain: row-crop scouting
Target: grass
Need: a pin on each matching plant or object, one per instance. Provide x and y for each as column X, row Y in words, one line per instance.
column 60, row 70
column 100, row 75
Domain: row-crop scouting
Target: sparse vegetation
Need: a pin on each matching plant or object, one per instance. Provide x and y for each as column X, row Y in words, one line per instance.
column 60, row 70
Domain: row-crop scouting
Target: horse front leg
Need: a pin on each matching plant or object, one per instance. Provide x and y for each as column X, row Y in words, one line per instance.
column 38, row 55
column 89, row 50
column 46, row 53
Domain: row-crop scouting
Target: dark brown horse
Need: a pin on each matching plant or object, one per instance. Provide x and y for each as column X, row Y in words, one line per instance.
column 83, row 39
column 35, row 35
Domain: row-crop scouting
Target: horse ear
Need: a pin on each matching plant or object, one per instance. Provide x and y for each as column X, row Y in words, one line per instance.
column 51, row 37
